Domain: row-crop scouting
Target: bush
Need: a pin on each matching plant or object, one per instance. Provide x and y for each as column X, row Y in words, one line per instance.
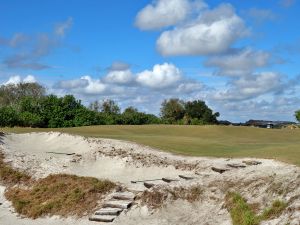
column 8, row 117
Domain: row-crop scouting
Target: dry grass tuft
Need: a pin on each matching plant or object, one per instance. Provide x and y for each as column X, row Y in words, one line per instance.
column 10, row 176
column 156, row 198
column 59, row 195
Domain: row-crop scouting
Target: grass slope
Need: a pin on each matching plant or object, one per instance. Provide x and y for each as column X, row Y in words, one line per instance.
column 216, row 141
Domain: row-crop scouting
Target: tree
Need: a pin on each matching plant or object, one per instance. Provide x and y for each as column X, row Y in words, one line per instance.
column 110, row 107
column 199, row 110
column 95, row 106
column 12, row 93
column 172, row 110
column 297, row 115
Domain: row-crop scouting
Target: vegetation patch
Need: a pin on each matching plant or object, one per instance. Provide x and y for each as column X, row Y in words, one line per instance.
column 240, row 212
column 59, row 195
column 243, row 214
column 274, row 211
column 156, row 198
column 10, row 176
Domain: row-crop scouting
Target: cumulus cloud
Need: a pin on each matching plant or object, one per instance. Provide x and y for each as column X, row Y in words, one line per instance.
column 248, row 87
column 164, row 13
column 240, row 63
column 212, row 33
column 72, row 84
column 161, row 76
column 18, row 79
column 119, row 76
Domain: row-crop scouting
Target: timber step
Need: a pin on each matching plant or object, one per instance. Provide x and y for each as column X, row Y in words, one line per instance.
column 236, row 165
column 148, row 185
column 102, row 218
column 186, row 177
column 109, row 211
column 252, row 162
column 123, row 196
column 168, row 179
column 219, row 170
column 117, row 204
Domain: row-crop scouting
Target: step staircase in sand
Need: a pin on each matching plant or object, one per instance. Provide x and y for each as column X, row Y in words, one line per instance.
column 113, row 207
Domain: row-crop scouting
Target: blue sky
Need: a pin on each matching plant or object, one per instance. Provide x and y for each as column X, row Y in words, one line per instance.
column 241, row 57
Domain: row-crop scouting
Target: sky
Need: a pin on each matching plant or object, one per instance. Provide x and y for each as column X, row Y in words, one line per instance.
column 241, row 57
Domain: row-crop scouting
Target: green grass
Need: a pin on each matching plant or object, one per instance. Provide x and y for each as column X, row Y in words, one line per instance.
column 216, row 141
column 242, row 214
column 240, row 211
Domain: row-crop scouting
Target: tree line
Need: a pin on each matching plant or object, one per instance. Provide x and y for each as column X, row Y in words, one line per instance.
column 27, row 105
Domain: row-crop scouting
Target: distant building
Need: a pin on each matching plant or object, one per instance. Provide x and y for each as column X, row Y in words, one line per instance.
column 268, row 124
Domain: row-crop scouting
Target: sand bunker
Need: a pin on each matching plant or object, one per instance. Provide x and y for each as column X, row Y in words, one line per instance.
column 41, row 154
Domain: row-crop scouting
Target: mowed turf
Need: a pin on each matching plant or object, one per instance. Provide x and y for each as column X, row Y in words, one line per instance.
column 216, row 141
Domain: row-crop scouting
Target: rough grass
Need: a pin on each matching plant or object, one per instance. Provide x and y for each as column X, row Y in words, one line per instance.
column 217, row 141
column 59, row 195
column 274, row 211
column 9, row 176
column 240, row 212
column 243, row 214
column 157, row 197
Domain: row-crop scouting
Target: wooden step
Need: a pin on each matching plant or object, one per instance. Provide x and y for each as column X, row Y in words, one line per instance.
column 236, row 165
column 123, row 196
column 168, row 179
column 219, row 170
column 148, row 185
column 102, row 218
column 117, row 204
column 186, row 177
column 251, row 162
column 109, row 211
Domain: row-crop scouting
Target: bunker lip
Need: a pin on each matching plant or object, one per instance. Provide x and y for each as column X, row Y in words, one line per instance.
column 41, row 154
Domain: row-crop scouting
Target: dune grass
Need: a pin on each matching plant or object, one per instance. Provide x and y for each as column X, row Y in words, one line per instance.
column 59, row 194
column 242, row 214
column 9, row 176
column 215, row 141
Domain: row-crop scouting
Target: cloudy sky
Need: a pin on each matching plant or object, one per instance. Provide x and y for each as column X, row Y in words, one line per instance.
column 241, row 57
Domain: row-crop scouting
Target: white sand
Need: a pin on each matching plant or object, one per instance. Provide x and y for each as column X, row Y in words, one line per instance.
column 122, row 162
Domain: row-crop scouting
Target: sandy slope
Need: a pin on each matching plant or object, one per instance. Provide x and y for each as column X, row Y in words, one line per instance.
column 122, row 162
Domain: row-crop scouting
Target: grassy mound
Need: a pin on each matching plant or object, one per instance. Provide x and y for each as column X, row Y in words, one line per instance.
column 59, row 195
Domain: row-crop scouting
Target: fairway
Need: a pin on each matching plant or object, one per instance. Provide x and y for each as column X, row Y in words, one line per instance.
column 215, row 141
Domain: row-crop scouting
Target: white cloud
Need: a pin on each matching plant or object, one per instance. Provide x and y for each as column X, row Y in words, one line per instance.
column 252, row 86
column 18, row 79
column 189, row 87
column 161, row 76
column 212, row 33
column 119, row 76
column 72, row 84
column 240, row 63
column 163, row 13
column 63, row 27
column 29, row 79
column 94, row 86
